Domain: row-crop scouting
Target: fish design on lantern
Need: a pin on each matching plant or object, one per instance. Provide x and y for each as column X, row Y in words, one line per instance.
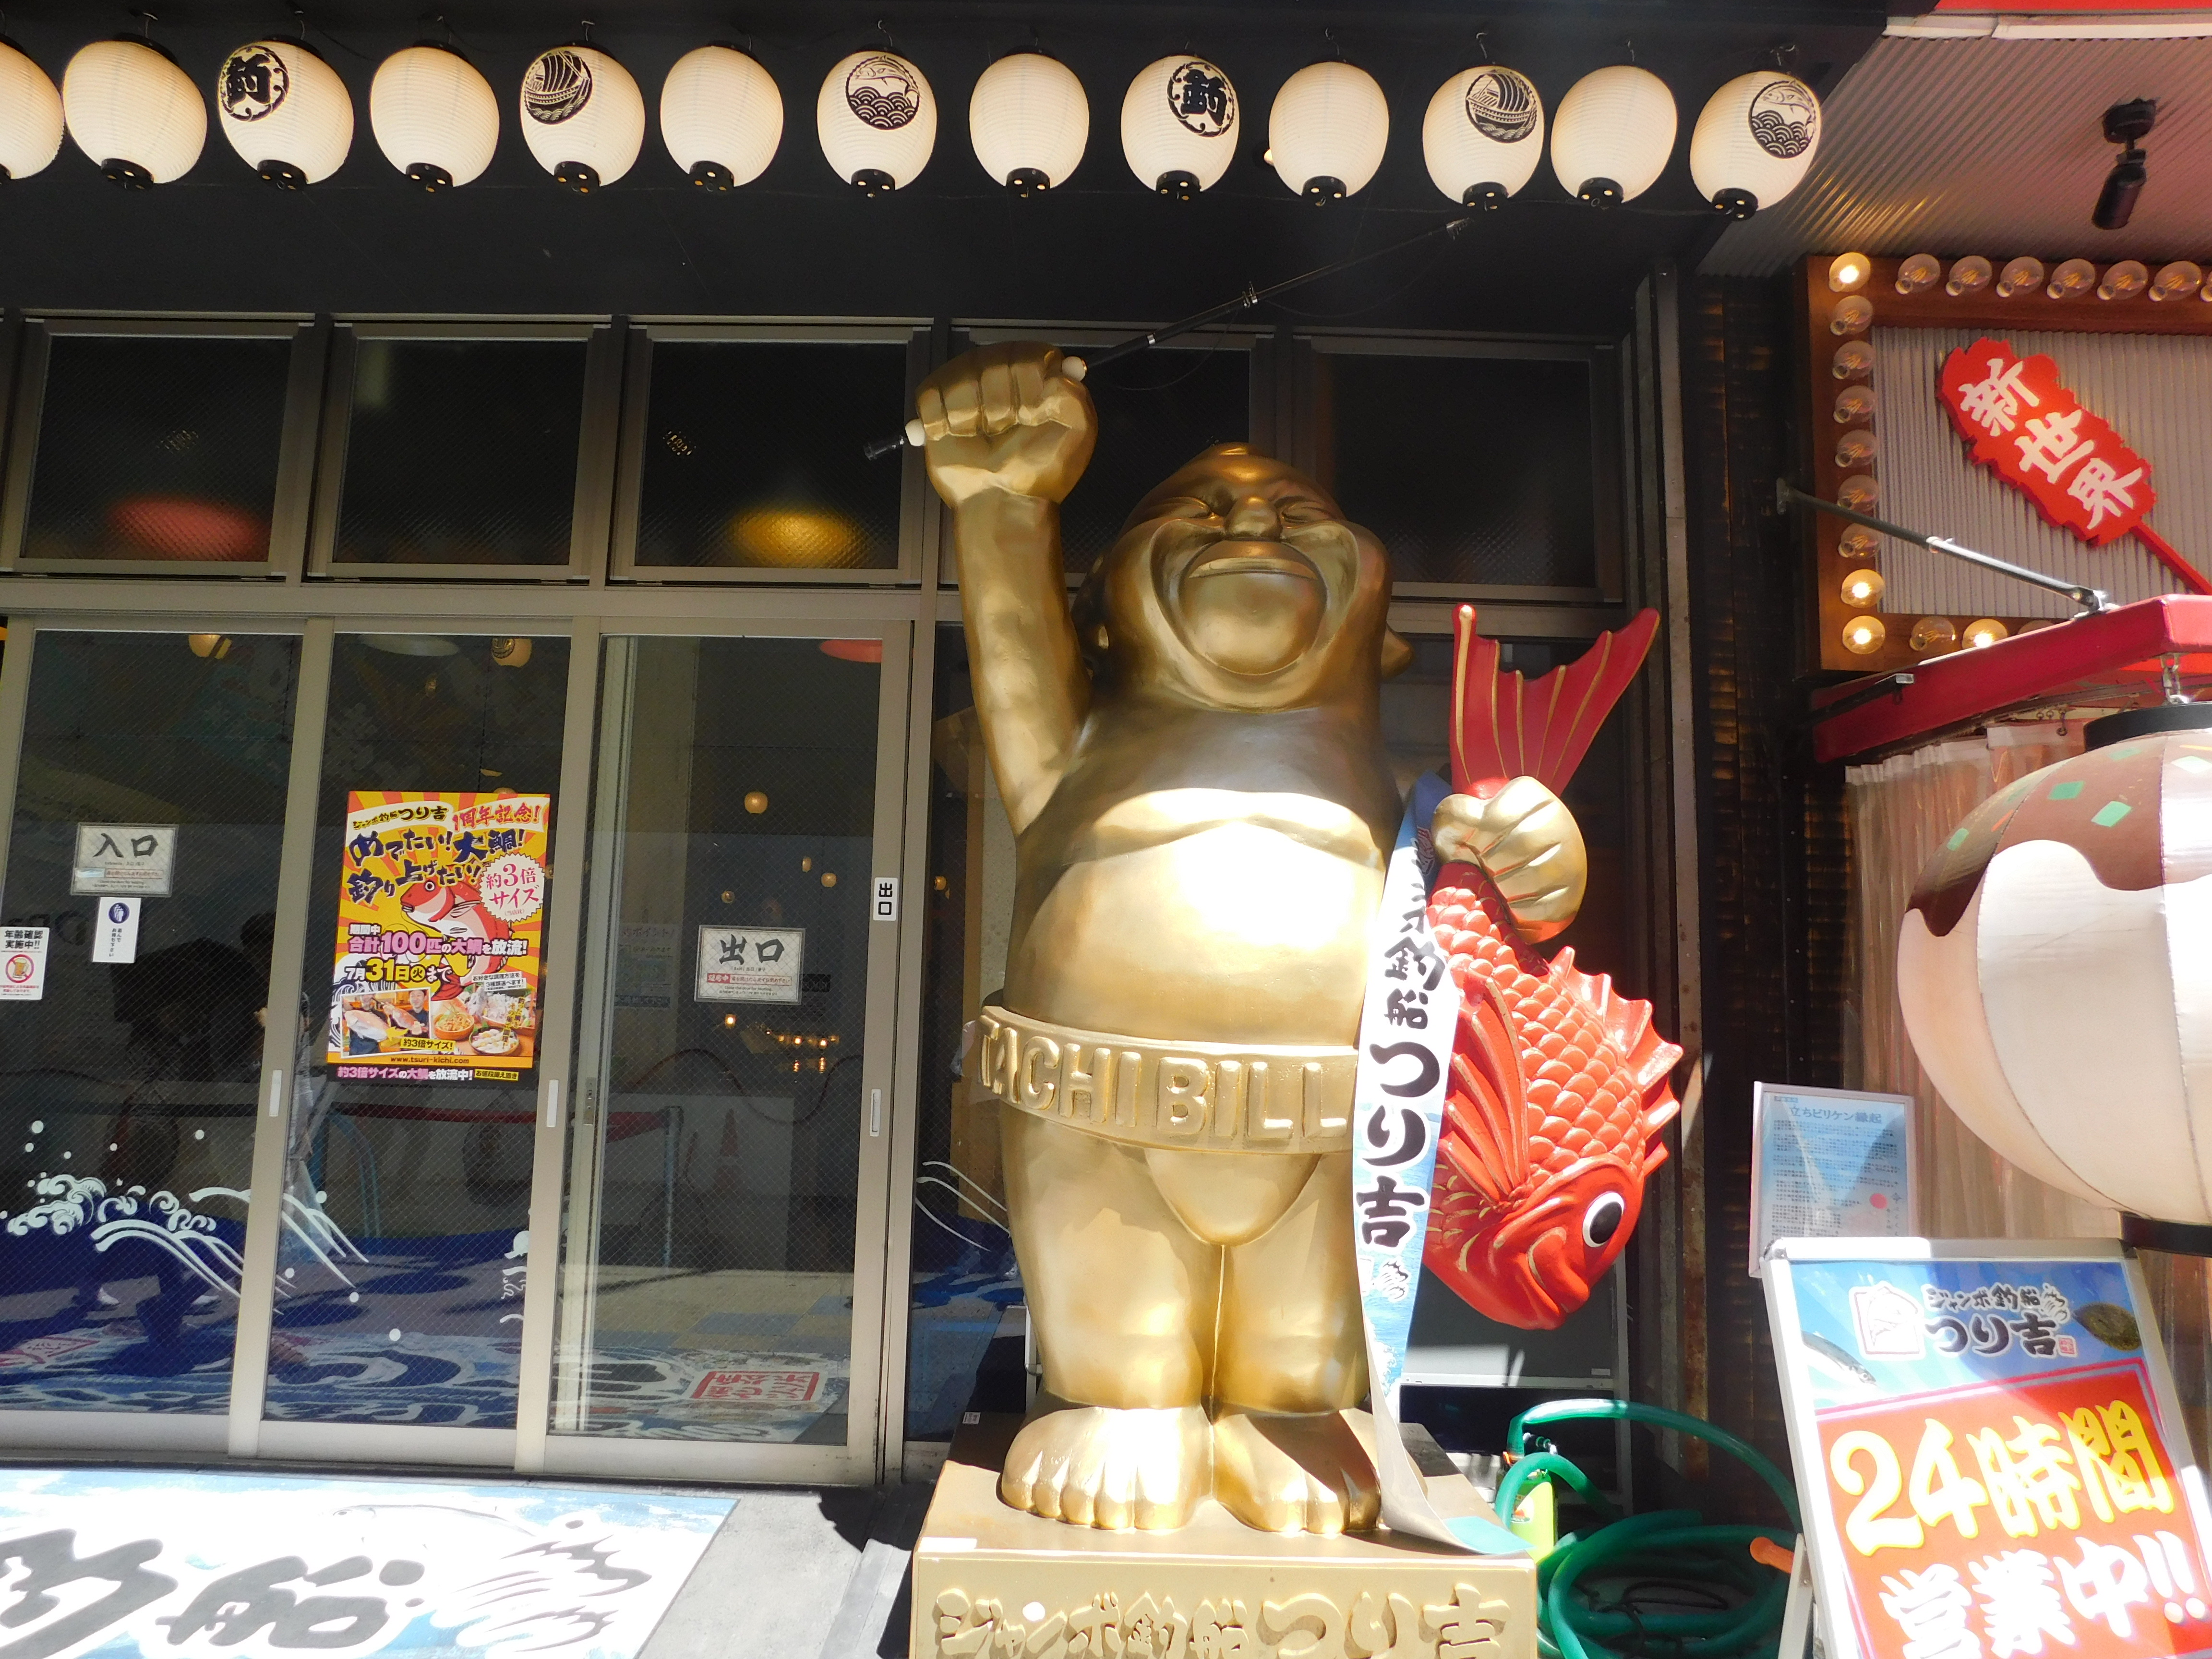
column 1558, row 1091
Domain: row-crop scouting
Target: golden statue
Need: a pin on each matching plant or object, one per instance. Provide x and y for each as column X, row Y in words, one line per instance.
column 1192, row 758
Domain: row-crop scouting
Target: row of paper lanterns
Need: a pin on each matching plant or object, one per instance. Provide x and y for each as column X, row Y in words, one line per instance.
column 133, row 111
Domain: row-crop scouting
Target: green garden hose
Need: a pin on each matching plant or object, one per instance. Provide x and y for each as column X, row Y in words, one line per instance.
column 1673, row 1547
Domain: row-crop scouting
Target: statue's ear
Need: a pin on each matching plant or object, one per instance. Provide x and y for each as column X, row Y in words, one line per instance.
column 1397, row 655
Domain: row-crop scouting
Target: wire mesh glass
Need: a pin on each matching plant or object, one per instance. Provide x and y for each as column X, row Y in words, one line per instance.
column 461, row 452
column 152, row 784
column 1472, row 470
column 1156, row 411
column 157, row 448
column 752, row 456
column 401, row 1266
column 707, row 1290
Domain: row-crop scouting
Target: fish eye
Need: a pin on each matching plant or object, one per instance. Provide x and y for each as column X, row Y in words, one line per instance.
column 1602, row 1220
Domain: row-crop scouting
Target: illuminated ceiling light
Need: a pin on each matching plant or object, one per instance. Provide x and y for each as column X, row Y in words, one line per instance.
column 1921, row 271
column 1326, row 131
column 1936, row 633
column 1483, row 135
column 1613, row 134
column 877, row 119
column 1864, row 635
column 1029, row 121
column 2176, row 280
column 2022, row 273
column 722, row 116
column 1969, row 276
column 1754, row 141
column 1863, row 588
column 1848, row 270
column 2124, row 280
column 582, row 116
column 285, row 112
column 1854, row 314
column 30, row 115
column 2126, row 124
column 2071, row 280
column 1987, row 631
column 1179, row 126
column 134, row 112
column 435, row 118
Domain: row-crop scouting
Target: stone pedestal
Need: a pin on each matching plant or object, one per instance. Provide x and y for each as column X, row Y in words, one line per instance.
column 991, row 1583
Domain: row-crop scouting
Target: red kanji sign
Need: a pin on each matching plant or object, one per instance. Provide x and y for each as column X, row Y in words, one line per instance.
column 2026, row 427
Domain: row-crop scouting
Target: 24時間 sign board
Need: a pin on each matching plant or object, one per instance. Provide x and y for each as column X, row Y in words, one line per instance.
column 442, row 904
column 1989, row 1451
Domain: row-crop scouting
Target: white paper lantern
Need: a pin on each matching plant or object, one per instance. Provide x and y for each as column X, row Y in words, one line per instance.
column 1029, row 121
column 30, row 115
column 877, row 119
column 1613, row 134
column 284, row 111
column 1753, row 141
column 722, row 116
column 1179, row 126
column 1327, row 132
column 435, row 118
column 582, row 116
column 133, row 111
column 1484, row 135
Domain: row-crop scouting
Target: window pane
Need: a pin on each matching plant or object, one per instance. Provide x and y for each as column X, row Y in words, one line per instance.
column 152, row 448
column 1470, row 469
column 714, row 1166
column 1156, row 411
column 752, row 456
column 462, row 452
column 407, row 1184
column 127, row 1090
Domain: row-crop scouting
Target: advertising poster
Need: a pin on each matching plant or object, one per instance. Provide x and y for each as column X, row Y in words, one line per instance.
column 1829, row 1164
column 1987, row 1454
column 441, row 911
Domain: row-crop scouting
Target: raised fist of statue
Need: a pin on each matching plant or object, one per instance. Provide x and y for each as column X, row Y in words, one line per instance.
column 1529, row 842
column 1005, row 418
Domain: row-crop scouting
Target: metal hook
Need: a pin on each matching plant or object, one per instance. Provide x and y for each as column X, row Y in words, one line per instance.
column 1630, row 44
column 1783, row 53
column 146, row 21
column 1334, row 45
column 300, row 16
column 883, row 28
column 588, row 29
column 1482, row 40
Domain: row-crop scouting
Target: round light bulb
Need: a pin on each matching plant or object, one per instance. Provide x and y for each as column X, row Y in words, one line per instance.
column 1859, row 493
column 30, row 115
column 1864, row 635
column 722, row 116
column 1029, row 121
column 2124, row 280
column 1753, row 141
column 1857, row 542
column 1857, row 448
column 2176, row 280
column 1863, row 588
column 876, row 119
column 1854, row 314
column 1326, row 131
column 434, row 116
column 1936, row 633
column 1854, row 359
column 2072, row 279
column 134, row 112
column 1612, row 134
column 2020, row 275
column 284, row 111
column 1848, row 270
column 1854, row 403
column 1920, row 272
column 1483, row 135
column 1968, row 276
column 1987, row 631
column 1179, row 126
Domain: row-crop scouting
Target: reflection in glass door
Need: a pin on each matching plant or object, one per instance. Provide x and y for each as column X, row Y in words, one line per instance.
column 728, row 1103
column 406, row 1200
column 135, row 944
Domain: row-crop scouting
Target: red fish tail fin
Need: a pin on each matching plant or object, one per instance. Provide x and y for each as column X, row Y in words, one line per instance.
column 1650, row 1058
column 1505, row 726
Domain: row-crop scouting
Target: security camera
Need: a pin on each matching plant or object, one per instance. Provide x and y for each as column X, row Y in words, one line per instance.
column 2126, row 124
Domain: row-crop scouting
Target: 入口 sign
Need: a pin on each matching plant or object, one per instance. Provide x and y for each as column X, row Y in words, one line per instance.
column 128, row 860
column 750, row 964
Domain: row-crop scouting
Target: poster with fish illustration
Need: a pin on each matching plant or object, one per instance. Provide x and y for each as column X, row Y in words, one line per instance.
column 441, row 912
column 1989, row 1450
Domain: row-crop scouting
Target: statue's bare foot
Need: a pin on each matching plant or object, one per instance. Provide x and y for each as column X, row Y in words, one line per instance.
column 1294, row 1474
column 1091, row 1466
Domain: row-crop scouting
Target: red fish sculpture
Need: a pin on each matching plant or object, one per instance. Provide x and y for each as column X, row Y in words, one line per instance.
column 1559, row 1088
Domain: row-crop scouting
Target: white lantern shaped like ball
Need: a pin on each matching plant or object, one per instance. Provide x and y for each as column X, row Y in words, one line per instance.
column 1613, row 134
column 1179, row 126
column 1484, row 135
column 134, row 112
column 877, row 119
column 582, row 116
column 1327, row 129
column 30, row 115
column 2054, row 971
column 1753, row 141
column 285, row 112
column 434, row 116
column 722, row 116
column 1029, row 122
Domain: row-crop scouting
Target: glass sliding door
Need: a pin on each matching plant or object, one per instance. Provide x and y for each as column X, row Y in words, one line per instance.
column 136, row 923
column 400, row 1268
column 725, row 1170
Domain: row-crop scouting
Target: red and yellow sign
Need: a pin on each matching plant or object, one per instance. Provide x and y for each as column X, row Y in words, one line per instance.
column 440, row 943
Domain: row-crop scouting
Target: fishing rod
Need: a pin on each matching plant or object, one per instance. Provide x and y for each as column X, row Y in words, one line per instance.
column 1076, row 367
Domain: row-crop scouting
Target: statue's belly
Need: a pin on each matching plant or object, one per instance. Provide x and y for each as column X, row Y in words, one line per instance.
column 1233, row 934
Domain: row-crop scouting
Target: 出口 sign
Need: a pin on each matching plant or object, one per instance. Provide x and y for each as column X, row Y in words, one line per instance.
column 1990, row 1452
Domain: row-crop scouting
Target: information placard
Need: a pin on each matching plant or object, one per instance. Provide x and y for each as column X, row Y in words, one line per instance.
column 1830, row 1164
column 1990, row 1451
column 750, row 964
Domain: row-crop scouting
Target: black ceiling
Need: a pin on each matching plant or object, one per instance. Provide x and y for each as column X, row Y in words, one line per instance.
column 801, row 243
